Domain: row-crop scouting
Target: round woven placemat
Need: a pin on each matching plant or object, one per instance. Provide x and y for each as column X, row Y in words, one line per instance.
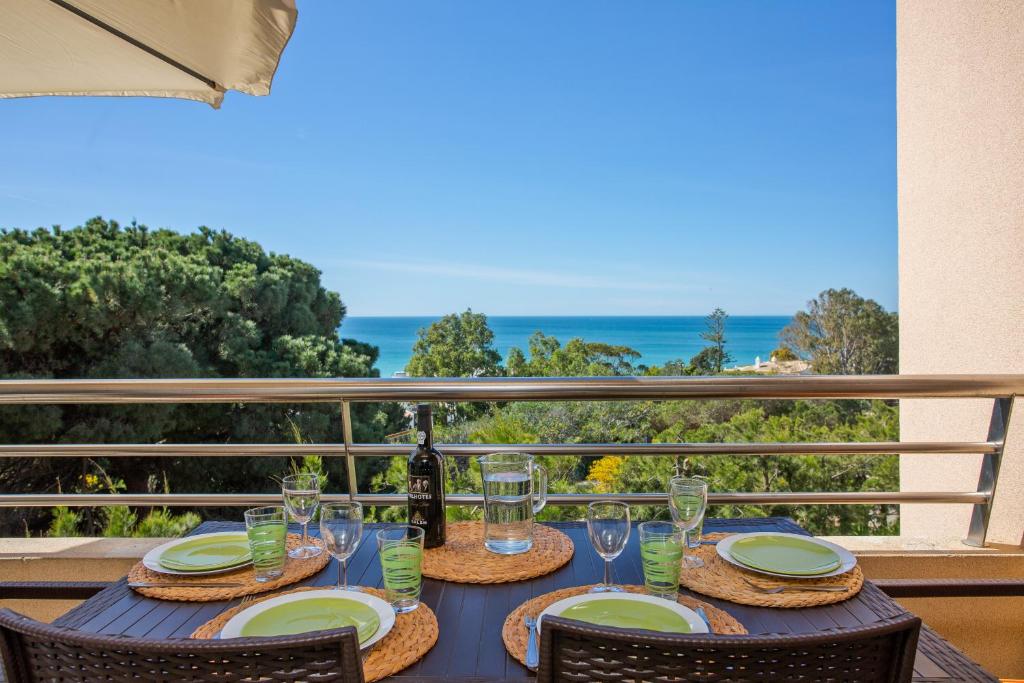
column 514, row 632
column 294, row 570
column 464, row 559
column 720, row 579
column 412, row 636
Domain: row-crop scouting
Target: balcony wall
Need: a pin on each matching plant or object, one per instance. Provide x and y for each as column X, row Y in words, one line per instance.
column 960, row 149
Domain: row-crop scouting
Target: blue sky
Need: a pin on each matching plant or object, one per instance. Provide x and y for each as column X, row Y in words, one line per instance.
column 577, row 157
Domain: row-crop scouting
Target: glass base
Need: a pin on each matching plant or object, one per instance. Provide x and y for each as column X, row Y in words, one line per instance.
column 606, row 588
column 509, row 547
column 264, row 576
column 304, row 552
column 403, row 606
column 691, row 562
column 350, row 587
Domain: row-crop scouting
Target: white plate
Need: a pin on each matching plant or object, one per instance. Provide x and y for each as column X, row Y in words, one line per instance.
column 846, row 559
column 697, row 624
column 386, row 614
column 151, row 560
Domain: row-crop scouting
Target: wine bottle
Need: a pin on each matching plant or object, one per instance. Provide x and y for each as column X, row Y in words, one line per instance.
column 426, row 482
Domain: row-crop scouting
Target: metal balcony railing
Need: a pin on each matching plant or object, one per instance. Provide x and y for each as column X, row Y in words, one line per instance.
column 1001, row 388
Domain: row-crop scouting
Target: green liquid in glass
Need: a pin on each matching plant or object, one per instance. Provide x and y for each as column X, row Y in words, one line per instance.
column 662, row 561
column 401, row 564
column 267, row 541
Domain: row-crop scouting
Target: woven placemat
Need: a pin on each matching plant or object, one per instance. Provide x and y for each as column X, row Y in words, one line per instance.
column 294, row 570
column 464, row 559
column 514, row 632
column 412, row 636
column 720, row 579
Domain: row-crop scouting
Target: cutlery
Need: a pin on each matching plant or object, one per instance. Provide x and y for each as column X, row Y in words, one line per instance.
column 709, row 542
column 704, row 617
column 181, row 584
column 797, row 589
column 532, row 651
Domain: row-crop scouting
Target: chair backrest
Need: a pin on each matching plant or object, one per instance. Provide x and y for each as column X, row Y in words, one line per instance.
column 880, row 653
column 33, row 651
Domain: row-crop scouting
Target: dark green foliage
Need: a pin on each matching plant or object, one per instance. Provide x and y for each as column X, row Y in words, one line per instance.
column 102, row 301
column 713, row 356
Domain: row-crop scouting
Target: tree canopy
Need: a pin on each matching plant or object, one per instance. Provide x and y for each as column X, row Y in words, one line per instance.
column 842, row 333
column 106, row 301
column 578, row 358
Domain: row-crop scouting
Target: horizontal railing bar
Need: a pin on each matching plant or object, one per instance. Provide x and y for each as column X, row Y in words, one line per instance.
column 506, row 389
column 241, row 499
column 377, row 450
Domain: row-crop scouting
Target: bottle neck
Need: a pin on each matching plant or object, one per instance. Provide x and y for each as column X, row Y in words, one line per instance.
column 424, row 431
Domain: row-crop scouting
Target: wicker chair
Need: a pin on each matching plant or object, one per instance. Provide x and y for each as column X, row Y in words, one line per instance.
column 33, row 651
column 573, row 651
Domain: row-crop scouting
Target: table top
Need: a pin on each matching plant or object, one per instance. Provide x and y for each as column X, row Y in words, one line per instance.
column 474, row 613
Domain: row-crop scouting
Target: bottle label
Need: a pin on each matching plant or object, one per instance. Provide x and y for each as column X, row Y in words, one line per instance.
column 421, row 438
column 419, row 488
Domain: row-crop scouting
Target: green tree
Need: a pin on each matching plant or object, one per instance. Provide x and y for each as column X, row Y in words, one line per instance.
column 457, row 345
column 105, row 301
column 842, row 333
column 713, row 356
column 578, row 358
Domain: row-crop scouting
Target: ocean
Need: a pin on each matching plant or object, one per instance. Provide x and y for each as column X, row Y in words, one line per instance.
column 658, row 339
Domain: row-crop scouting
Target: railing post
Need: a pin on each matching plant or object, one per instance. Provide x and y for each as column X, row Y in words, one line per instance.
column 989, row 476
column 350, row 460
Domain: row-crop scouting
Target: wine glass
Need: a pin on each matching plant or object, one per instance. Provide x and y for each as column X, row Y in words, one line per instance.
column 687, row 500
column 301, row 498
column 341, row 528
column 608, row 527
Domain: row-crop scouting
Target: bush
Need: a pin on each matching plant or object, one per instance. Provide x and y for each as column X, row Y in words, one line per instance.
column 784, row 353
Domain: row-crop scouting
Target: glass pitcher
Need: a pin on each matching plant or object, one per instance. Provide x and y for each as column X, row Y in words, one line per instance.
column 510, row 501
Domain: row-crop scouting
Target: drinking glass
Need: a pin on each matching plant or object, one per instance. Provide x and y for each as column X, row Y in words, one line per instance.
column 608, row 527
column 341, row 528
column 401, row 563
column 267, row 528
column 687, row 500
column 661, row 552
column 302, row 497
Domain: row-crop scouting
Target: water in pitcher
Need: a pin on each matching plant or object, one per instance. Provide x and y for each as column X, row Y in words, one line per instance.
column 508, row 512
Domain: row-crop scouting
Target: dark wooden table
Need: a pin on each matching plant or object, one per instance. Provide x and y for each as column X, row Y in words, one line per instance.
column 470, row 616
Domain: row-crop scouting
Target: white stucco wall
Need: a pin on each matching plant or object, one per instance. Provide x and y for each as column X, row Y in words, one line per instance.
column 960, row 158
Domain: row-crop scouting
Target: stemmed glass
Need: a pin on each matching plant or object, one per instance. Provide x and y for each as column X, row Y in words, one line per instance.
column 608, row 527
column 301, row 498
column 341, row 528
column 687, row 500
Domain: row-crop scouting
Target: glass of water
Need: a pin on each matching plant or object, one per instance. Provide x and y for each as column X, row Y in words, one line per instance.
column 301, row 498
column 341, row 528
column 401, row 563
column 608, row 528
column 687, row 500
column 661, row 552
column 267, row 528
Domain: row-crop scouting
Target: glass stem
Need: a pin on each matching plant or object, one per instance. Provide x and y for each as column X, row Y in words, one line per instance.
column 607, row 572
column 344, row 572
column 340, row 564
column 304, row 525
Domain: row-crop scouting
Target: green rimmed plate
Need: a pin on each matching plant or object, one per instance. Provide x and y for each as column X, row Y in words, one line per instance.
column 786, row 554
column 318, row 610
column 628, row 610
column 206, row 553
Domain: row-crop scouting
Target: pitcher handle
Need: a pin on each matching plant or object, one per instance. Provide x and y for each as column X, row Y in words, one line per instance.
column 542, row 497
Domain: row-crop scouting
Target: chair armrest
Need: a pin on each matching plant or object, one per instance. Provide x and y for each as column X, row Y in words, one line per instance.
column 950, row 588
column 50, row 590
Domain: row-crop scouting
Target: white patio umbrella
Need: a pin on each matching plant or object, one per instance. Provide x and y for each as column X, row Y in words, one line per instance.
column 191, row 49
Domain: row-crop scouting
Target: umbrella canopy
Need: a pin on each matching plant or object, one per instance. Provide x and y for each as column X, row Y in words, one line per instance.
column 192, row 49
